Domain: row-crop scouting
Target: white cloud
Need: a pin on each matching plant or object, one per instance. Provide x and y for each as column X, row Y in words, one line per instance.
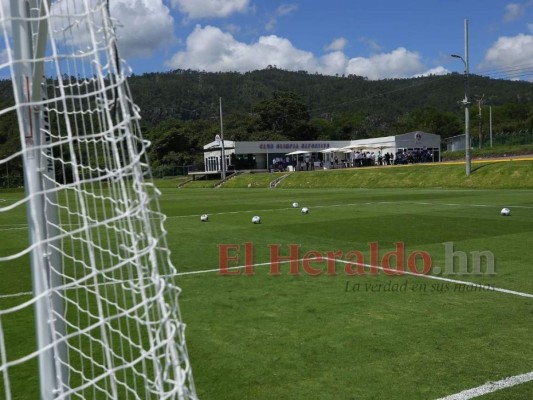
column 4, row 56
column 286, row 9
column 440, row 70
column 210, row 49
column 6, row 10
column 146, row 26
column 371, row 43
column 210, row 8
column 337, row 44
column 509, row 51
column 283, row 10
column 333, row 63
column 143, row 26
column 272, row 21
column 514, row 11
column 232, row 28
column 397, row 64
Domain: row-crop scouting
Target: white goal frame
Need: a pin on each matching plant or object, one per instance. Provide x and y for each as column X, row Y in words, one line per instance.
column 105, row 300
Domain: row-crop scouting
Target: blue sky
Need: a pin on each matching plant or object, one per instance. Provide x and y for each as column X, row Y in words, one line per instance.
column 377, row 39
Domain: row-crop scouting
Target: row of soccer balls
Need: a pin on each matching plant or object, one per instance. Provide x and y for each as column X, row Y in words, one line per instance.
column 256, row 219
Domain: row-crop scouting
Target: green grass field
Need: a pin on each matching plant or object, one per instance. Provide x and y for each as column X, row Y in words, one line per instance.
column 308, row 337
column 297, row 336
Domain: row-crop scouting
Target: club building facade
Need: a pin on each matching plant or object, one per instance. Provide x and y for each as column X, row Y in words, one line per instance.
column 263, row 155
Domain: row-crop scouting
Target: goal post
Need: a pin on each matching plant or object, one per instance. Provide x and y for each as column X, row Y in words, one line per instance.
column 104, row 296
column 28, row 90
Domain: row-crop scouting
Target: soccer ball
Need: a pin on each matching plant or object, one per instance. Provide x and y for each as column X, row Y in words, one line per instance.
column 256, row 219
column 505, row 212
column 204, row 218
column 305, row 210
column 295, row 205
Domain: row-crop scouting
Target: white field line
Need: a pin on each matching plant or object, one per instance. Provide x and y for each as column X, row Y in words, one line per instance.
column 24, row 226
column 485, row 288
column 434, row 277
column 4, row 229
column 440, row 278
column 490, row 387
column 464, row 395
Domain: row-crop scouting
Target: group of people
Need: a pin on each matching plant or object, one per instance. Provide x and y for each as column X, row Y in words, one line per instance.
column 366, row 159
column 355, row 159
column 414, row 156
column 307, row 164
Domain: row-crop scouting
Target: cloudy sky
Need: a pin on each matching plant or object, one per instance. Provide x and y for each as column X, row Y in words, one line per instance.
column 376, row 39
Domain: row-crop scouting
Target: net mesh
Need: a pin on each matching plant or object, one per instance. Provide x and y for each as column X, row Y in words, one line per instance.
column 105, row 288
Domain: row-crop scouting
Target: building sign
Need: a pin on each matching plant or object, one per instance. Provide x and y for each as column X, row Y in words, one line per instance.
column 315, row 146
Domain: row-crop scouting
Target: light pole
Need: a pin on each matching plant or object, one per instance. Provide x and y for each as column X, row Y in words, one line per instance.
column 466, row 101
column 220, row 139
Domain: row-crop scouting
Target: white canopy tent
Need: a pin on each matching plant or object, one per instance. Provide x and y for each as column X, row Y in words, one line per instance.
column 330, row 150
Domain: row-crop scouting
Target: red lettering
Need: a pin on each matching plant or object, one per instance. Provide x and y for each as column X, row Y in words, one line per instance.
column 399, row 255
column 224, row 258
column 332, row 256
column 426, row 260
column 359, row 261
column 309, row 257
column 275, row 258
column 249, row 258
column 374, row 256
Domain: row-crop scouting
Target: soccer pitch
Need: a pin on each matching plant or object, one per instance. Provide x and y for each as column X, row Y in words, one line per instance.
column 329, row 329
column 348, row 337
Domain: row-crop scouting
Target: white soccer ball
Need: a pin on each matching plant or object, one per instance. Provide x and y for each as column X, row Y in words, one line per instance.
column 204, row 217
column 295, row 205
column 305, row 210
column 256, row 219
column 505, row 212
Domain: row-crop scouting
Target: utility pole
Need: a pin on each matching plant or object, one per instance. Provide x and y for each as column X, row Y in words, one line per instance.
column 480, row 125
column 223, row 156
column 466, row 101
column 490, row 125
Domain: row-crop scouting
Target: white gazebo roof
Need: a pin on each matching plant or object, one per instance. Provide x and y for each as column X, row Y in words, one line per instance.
column 228, row 144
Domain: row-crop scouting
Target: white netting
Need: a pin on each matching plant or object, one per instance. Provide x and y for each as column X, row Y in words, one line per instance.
column 104, row 299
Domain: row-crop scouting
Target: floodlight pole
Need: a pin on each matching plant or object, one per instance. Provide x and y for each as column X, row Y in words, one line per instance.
column 223, row 160
column 490, row 125
column 466, row 101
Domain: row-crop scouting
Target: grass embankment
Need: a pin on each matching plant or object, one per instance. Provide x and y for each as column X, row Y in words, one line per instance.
column 170, row 182
column 485, row 175
column 249, row 180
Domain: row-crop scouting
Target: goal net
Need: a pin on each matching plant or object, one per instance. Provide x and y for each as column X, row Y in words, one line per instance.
column 89, row 309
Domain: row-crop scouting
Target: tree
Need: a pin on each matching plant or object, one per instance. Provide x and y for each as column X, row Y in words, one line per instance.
column 431, row 120
column 286, row 114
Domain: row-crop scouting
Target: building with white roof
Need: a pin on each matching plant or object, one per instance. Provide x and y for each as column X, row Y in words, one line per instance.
column 262, row 155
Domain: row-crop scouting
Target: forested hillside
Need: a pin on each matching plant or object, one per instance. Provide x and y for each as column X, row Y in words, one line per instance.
column 180, row 109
